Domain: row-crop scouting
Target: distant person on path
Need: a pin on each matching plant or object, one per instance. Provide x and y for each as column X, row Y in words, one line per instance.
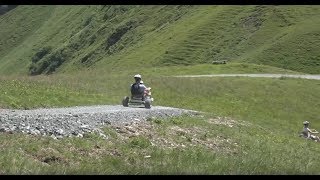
column 308, row 133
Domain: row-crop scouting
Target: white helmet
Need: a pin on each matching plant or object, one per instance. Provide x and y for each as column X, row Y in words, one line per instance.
column 137, row 76
column 141, row 82
column 306, row 122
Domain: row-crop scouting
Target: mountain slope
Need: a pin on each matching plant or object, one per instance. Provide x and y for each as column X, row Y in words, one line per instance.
column 48, row 39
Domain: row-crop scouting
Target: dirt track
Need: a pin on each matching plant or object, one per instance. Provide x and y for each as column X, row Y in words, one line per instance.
column 316, row 77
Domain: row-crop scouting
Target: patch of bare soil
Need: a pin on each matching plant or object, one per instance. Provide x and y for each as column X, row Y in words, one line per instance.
column 178, row 137
column 226, row 121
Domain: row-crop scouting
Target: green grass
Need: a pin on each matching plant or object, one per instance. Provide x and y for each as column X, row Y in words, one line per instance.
column 270, row 112
column 27, row 95
column 241, row 149
column 203, row 69
column 122, row 37
column 285, row 102
column 100, row 48
column 254, row 99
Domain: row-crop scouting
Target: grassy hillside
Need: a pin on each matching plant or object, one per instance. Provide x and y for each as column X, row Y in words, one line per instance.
column 249, row 125
column 47, row 39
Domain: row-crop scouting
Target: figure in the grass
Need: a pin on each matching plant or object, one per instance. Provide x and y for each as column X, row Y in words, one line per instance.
column 309, row 133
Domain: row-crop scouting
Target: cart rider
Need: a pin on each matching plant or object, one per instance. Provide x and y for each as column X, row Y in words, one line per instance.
column 137, row 88
column 309, row 133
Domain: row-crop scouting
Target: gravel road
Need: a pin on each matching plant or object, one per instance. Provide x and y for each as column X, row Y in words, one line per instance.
column 316, row 77
column 76, row 121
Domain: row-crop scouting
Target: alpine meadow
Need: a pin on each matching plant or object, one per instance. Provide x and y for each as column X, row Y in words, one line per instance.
column 57, row 56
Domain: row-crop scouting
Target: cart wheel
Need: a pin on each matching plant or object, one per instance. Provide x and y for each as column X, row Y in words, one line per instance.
column 125, row 101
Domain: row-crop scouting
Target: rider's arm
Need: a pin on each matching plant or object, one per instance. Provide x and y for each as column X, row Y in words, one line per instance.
column 313, row 131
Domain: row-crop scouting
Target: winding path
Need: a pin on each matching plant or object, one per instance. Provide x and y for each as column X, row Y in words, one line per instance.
column 304, row 76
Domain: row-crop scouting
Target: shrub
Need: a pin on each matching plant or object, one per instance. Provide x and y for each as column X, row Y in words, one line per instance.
column 55, row 61
column 47, row 64
column 40, row 54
